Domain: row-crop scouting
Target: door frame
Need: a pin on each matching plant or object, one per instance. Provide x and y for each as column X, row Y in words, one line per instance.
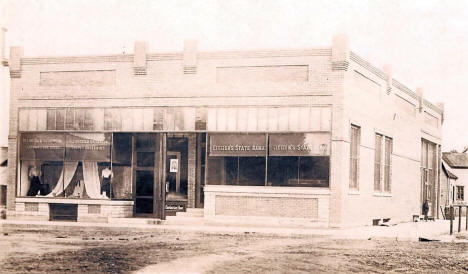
column 158, row 203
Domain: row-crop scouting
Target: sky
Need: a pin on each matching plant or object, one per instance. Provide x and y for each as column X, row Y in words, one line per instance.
column 426, row 42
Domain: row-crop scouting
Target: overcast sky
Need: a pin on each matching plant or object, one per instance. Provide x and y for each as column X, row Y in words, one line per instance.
column 426, row 42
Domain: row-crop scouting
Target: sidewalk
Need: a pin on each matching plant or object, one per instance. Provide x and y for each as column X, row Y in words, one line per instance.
column 410, row 231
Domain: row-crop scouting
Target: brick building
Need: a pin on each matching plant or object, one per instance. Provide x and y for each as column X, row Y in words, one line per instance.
column 316, row 136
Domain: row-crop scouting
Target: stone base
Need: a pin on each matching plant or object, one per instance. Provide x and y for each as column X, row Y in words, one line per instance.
column 88, row 210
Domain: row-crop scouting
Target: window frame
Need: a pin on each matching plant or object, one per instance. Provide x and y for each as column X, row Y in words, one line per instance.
column 354, row 186
column 462, row 192
column 383, row 164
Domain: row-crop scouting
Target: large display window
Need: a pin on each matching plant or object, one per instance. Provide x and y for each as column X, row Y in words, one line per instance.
column 75, row 165
column 237, row 159
column 282, row 159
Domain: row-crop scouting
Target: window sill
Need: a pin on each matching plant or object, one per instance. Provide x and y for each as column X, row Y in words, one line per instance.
column 354, row 192
column 54, row 200
column 380, row 194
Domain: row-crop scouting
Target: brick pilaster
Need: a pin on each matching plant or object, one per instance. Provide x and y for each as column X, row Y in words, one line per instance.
column 191, row 176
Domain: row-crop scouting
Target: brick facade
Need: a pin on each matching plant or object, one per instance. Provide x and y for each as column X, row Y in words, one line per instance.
column 333, row 77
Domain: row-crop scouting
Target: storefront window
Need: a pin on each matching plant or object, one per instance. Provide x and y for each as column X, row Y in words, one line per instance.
column 299, row 159
column 237, row 159
column 75, row 165
column 298, row 171
column 122, row 166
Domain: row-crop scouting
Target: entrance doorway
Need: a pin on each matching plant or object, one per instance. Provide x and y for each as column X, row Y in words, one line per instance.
column 176, row 183
column 146, row 161
column 429, row 164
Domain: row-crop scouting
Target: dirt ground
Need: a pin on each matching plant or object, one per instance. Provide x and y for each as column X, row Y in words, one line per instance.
column 79, row 250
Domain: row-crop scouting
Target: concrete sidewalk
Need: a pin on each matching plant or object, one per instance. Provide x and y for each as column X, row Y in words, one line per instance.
column 410, row 231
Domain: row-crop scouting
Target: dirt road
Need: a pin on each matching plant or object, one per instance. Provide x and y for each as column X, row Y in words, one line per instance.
column 126, row 251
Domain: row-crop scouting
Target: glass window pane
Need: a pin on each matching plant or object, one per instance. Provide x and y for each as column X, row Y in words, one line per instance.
column 79, row 118
column 294, row 119
column 127, row 119
column 252, row 171
column 283, row 119
column 179, row 118
column 144, row 183
column 147, row 119
column 145, row 159
column 387, row 178
column 283, row 171
column 231, row 169
column 122, row 181
column 314, row 171
column 252, row 119
column 377, row 162
column 70, row 119
column 144, row 205
column 32, row 120
column 430, row 155
column 304, row 119
column 42, row 119
column 39, row 178
column 200, row 121
column 273, row 119
column 314, row 118
column 388, row 150
column 242, row 118
column 60, row 119
column 122, row 148
column 231, row 119
column 424, row 154
column 89, row 119
column 354, row 157
column 215, row 171
column 262, row 119
column 189, row 118
column 51, row 119
column 158, row 119
column 98, row 119
column 145, row 141
column 138, row 118
column 221, row 119
column 212, row 119
column 169, row 119
column 121, row 167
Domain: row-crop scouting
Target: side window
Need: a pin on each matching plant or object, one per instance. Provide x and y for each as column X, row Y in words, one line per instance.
column 355, row 143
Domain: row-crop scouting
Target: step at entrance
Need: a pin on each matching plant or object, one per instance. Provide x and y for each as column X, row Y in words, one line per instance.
column 191, row 212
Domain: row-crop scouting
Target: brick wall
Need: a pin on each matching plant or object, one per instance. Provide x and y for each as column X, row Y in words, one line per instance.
column 283, row 202
column 286, row 207
column 388, row 112
column 191, row 176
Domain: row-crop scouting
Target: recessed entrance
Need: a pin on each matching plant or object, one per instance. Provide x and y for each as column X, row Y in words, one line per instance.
column 176, row 184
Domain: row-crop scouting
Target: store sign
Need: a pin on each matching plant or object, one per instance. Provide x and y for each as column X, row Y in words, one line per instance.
column 237, row 144
column 299, row 144
column 42, row 146
column 88, row 146
column 174, row 165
